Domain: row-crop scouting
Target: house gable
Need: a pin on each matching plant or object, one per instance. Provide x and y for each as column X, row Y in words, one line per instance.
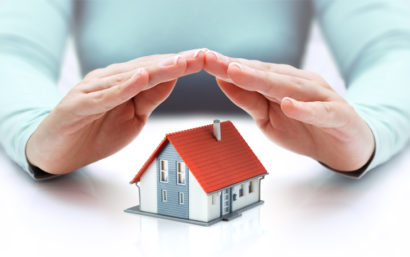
column 173, row 205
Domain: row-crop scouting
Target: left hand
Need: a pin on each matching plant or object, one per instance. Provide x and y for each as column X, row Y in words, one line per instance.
column 106, row 110
column 297, row 109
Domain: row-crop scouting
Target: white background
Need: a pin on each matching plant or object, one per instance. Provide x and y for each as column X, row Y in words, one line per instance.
column 308, row 210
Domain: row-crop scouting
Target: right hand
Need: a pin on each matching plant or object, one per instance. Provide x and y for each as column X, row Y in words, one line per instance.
column 106, row 110
column 297, row 109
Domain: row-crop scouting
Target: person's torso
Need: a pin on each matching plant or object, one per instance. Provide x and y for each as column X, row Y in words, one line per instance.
column 108, row 32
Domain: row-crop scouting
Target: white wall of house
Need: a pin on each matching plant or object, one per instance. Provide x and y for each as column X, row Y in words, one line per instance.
column 148, row 189
column 247, row 198
column 198, row 200
column 214, row 206
column 202, row 207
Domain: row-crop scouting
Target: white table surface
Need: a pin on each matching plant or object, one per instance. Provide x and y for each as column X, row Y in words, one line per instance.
column 308, row 210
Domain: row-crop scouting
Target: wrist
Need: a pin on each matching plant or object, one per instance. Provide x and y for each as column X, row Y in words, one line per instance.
column 354, row 173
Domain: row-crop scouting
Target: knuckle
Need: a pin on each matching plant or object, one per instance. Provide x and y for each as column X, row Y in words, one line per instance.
column 327, row 107
column 98, row 97
column 297, row 81
column 329, row 111
column 112, row 82
column 119, row 78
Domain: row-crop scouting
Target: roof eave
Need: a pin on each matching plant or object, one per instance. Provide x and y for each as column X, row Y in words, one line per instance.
column 149, row 161
column 220, row 189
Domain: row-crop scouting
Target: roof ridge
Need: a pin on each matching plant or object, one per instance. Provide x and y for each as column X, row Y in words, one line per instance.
column 192, row 129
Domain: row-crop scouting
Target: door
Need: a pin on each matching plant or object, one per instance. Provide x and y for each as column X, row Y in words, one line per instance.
column 226, row 201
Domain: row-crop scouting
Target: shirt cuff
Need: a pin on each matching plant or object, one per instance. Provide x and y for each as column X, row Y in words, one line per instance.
column 38, row 174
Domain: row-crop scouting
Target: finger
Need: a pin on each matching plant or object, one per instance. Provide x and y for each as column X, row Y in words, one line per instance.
column 105, row 100
column 278, row 68
column 167, row 69
column 194, row 58
column 134, row 64
column 148, row 100
column 217, row 64
column 273, row 85
column 252, row 102
column 320, row 114
column 106, row 82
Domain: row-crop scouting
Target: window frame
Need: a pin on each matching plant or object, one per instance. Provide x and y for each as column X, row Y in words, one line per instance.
column 181, row 199
column 241, row 192
column 163, row 171
column 164, row 195
column 251, row 187
column 181, row 173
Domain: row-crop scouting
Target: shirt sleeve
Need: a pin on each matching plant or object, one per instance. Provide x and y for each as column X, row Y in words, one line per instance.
column 33, row 35
column 370, row 41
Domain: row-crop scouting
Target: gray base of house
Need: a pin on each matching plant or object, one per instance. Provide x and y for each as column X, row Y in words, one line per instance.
column 228, row 217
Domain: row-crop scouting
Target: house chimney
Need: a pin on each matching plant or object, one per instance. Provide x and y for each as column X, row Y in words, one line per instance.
column 217, row 130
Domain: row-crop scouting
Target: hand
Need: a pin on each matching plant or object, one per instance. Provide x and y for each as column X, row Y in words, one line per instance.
column 106, row 110
column 297, row 109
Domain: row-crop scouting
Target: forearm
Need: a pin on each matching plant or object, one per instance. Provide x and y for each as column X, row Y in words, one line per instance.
column 370, row 41
column 26, row 97
column 381, row 97
column 32, row 41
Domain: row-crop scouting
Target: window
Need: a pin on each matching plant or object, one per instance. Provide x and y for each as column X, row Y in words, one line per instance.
column 180, row 173
column 164, row 195
column 241, row 191
column 164, row 171
column 181, row 198
column 251, row 187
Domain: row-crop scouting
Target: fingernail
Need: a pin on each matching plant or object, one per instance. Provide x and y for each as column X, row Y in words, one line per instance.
column 171, row 61
column 211, row 53
column 220, row 57
column 192, row 53
column 289, row 100
column 198, row 51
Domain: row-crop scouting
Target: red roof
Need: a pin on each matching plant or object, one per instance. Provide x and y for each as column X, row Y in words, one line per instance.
column 215, row 164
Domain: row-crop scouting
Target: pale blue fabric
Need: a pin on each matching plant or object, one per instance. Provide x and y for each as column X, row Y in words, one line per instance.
column 370, row 41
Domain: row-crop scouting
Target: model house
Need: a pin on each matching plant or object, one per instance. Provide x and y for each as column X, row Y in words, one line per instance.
column 200, row 175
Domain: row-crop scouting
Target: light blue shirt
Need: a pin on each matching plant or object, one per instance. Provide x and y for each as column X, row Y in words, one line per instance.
column 369, row 39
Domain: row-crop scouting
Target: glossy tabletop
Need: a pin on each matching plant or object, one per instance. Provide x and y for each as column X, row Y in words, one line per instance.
column 308, row 210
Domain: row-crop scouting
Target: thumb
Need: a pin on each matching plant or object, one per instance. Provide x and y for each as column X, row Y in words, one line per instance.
column 320, row 114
